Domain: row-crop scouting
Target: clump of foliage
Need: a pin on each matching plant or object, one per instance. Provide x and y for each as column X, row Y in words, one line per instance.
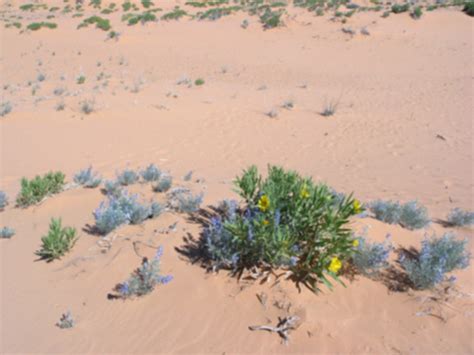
column 87, row 178
column 330, row 108
column 35, row 26
column 127, row 177
column 182, row 200
column 369, row 258
column 127, row 6
column 57, row 242
column 469, row 8
column 199, row 82
column 147, row 3
column 144, row 279
column 438, row 256
column 459, row 218
column 5, row 108
column 176, row 14
column 133, row 19
column 81, row 79
column 66, row 321
column 150, row 173
column 123, row 209
column 399, row 8
column 410, row 215
column 33, row 191
column 271, row 19
column 217, row 13
column 416, row 13
column 6, row 233
column 87, row 106
column 163, row 184
column 102, row 23
column 112, row 188
column 3, row 200
column 286, row 221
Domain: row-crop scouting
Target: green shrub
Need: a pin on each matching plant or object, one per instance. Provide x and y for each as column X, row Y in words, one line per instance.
column 397, row 8
column 102, row 23
column 35, row 26
column 33, row 191
column 469, row 8
column 147, row 3
column 416, row 13
column 271, row 19
column 287, row 221
column 57, row 242
column 176, row 14
column 199, row 82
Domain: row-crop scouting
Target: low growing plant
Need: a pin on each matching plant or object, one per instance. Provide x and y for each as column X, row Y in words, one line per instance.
column 150, row 173
column 144, row 279
column 469, row 8
column 87, row 178
column 35, row 26
column 127, row 177
column 101, row 23
column 457, row 218
column 57, row 242
column 66, row 321
column 438, row 256
column 411, row 215
column 399, row 8
column 3, row 200
column 112, row 188
column 176, row 14
column 370, row 258
column 6, row 233
column 199, row 82
column 182, row 200
column 33, row 191
column 5, row 108
column 163, row 184
column 286, row 221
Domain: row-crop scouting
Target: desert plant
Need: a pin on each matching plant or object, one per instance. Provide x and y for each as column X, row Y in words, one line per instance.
column 150, row 173
column 66, row 321
column 176, row 14
column 288, row 104
column 41, row 77
column 127, row 177
column 33, row 191
column 163, row 184
column 271, row 19
column 414, row 216
column 87, row 106
column 216, row 13
column 112, row 188
column 35, row 26
column 272, row 113
column 60, row 106
column 199, row 82
column 457, row 217
column 5, row 108
column 182, row 200
column 144, row 279
column 469, row 8
column 57, row 242
column 147, row 3
column 87, row 178
column 386, row 211
column 416, row 13
column 101, row 23
column 81, row 79
column 6, row 233
column 399, row 8
column 3, row 200
column 287, row 221
column 188, row 176
column 369, row 258
column 330, row 108
column 438, row 256
column 133, row 19
column 123, row 209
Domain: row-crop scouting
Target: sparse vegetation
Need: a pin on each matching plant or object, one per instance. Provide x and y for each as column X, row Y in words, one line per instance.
column 35, row 26
column 182, row 200
column 199, row 82
column 103, row 24
column 5, row 108
column 176, row 14
column 87, row 178
column 57, row 242
column 410, row 215
column 81, row 80
column 35, row 190
column 87, row 106
column 330, row 108
column 416, row 13
column 399, row 8
column 127, row 177
column 151, row 173
column 370, row 258
column 3, row 200
column 163, row 184
column 469, row 8
column 458, row 218
column 66, row 321
column 6, row 233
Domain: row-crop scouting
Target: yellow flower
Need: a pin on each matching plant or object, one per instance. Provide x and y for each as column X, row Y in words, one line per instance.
column 266, row 222
column 304, row 193
column 357, row 206
column 335, row 265
column 264, row 203
column 355, row 243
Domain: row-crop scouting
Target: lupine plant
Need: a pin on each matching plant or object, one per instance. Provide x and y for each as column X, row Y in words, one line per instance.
column 459, row 218
column 66, row 321
column 163, row 184
column 6, row 233
column 438, row 256
column 87, row 178
column 150, row 173
column 411, row 215
column 371, row 257
column 182, row 200
column 112, row 188
column 127, row 177
column 144, row 279
column 3, row 200
column 286, row 221
column 123, row 209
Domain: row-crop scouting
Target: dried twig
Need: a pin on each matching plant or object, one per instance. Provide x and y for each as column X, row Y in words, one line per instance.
column 283, row 327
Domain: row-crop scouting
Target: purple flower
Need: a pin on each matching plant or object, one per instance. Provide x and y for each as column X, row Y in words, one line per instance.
column 164, row 279
column 159, row 253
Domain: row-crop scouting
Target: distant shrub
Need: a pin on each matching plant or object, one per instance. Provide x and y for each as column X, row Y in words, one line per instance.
column 182, row 200
column 437, row 257
column 87, row 178
column 199, row 82
column 151, row 173
column 218, row 12
column 33, row 191
column 163, row 184
column 41, row 77
column 176, row 14
column 399, row 8
column 6, row 233
column 330, row 108
column 35, row 26
column 457, row 217
column 147, row 3
column 3, row 200
column 188, row 176
column 60, row 106
column 469, row 8
column 133, row 19
column 271, row 19
column 66, row 321
column 123, row 209
column 287, row 221
column 57, row 242
column 369, row 258
column 87, row 106
column 5, row 108
column 127, row 177
column 81, row 80
column 101, row 23
column 416, row 13
column 144, row 279
column 410, row 215
column 112, row 188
